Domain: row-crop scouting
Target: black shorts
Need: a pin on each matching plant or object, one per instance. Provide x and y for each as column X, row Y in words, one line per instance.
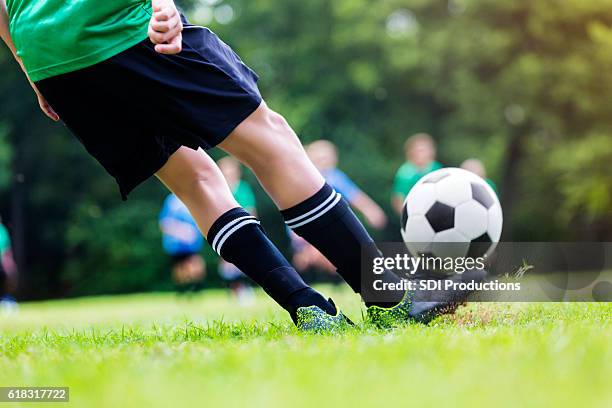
column 134, row 110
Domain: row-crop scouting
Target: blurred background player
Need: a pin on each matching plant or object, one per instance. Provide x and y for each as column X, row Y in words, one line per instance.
column 477, row 167
column 420, row 151
column 324, row 155
column 8, row 272
column 244, row 195
column 182, row 240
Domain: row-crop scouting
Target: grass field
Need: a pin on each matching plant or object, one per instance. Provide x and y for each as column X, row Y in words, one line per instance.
column 160, row 350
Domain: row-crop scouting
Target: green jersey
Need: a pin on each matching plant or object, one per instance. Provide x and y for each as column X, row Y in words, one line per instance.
column 408, row 175
column 53, row 37
column 244, row 195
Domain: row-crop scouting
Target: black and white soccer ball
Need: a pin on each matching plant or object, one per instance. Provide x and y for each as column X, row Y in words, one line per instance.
column 452, row 213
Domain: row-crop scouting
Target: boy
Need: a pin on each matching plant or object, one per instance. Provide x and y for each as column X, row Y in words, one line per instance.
column 420, row 151
column 146, row 93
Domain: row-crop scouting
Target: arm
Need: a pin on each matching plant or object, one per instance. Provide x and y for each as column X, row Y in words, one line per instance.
column 370, row 210
column 6, row 37
column 397, row 202
column 179, row 230
column 4, row 29
column 398, row 192
column 402, row 184
column 373, row 214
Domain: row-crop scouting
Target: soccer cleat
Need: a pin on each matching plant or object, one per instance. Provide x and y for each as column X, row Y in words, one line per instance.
column 315, row 320
column 424, row 306
column 388, row 317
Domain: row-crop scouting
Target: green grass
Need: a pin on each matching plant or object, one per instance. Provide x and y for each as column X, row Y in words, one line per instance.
column 159, row 351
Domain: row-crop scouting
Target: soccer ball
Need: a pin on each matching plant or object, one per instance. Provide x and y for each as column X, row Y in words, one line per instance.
column 452, row 213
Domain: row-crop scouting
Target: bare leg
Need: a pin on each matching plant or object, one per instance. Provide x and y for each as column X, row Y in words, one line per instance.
column 197, row 181
column 266, row 144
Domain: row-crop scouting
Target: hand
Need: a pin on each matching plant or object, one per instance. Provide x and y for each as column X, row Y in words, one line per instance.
column 6, row 37
column 44, row 105
column 373, row 214
column 165, row 27
column 376, row 218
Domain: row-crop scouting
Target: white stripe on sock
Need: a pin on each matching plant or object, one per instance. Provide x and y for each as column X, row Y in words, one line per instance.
column 228, row 226
column 233, row 230
column 314, row 210
column 319, row 214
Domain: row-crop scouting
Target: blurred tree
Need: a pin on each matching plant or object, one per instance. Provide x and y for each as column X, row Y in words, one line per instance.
column 5, row 169
column 124, row 256
column 5, row 158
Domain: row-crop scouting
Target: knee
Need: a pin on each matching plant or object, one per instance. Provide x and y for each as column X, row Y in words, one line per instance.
column 200, row 182
column 283, row 144
column 277, row 123
column 283, row 131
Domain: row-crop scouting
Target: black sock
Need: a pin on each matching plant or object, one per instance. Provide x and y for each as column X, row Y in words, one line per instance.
column 238, row 237
column 326, row 221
